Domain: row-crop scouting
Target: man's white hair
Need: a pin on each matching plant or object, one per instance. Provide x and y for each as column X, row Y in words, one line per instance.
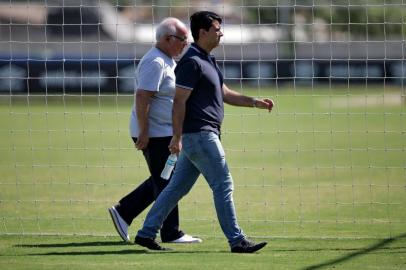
column 168, row 27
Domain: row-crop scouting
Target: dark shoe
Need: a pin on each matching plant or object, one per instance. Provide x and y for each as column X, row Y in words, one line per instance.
column 247, row 246
column 149, row 243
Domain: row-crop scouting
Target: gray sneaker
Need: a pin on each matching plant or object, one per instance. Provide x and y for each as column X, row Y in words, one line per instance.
column 119, row 223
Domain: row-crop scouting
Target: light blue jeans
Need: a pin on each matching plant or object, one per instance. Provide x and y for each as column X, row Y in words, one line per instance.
column 202, row 152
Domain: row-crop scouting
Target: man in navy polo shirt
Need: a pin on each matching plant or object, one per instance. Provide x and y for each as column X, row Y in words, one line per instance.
column 198, row 112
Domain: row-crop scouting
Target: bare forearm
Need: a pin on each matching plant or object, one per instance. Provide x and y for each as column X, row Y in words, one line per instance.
column 142, row 110
column 178, row 116
column 236, row 99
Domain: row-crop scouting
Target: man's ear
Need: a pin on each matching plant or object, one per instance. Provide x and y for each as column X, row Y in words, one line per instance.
column 201, row 32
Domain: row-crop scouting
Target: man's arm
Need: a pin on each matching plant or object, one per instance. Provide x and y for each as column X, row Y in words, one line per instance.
column 178, row 116
column 142, row 101
column 234, row 98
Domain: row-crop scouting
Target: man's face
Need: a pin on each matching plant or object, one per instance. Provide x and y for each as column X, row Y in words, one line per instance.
column 178, row 42
column 214, row 34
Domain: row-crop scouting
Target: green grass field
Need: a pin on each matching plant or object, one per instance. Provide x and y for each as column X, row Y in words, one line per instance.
column 322, row 179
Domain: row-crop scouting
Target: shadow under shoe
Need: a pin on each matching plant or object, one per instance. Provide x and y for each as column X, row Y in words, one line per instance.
column 149, row 243
column 247, row 246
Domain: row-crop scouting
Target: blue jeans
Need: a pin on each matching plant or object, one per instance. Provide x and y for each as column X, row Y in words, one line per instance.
column 202, row 152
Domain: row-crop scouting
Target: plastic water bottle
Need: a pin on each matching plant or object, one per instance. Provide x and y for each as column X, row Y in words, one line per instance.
column 169, row 165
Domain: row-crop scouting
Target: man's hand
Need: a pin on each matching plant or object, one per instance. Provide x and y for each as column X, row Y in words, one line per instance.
column 266, row 103
column 142, row 141
column 176, row 145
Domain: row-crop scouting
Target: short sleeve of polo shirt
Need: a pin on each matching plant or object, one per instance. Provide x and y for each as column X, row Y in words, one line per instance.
column 150, row 76
column 187, row 74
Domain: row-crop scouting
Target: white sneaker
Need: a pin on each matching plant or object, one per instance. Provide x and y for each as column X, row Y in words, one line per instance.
column 119, row 223
column 186, row 239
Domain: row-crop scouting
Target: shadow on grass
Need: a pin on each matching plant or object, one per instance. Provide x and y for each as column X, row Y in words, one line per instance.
column 388, row 249
column 81, row 253
column 79, row 244
column 120, row 252
column 358, row 252
column 100, row 252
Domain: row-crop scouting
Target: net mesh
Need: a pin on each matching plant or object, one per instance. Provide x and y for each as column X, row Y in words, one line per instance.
column 329, row 161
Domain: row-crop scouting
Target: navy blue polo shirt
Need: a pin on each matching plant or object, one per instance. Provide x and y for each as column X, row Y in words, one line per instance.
column 198, row 71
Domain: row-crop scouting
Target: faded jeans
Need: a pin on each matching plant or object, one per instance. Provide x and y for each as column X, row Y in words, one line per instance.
column 202, row 152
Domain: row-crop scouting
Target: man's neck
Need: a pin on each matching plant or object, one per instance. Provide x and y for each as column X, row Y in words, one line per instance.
column 163, row 49
column 206, row 48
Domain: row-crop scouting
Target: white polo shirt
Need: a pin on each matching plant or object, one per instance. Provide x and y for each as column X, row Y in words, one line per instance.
column 155, row 73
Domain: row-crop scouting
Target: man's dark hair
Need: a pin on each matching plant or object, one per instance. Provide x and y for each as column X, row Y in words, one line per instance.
column 202, row 20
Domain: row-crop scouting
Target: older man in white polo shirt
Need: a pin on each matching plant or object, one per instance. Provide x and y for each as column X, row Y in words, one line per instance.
column 151, row 129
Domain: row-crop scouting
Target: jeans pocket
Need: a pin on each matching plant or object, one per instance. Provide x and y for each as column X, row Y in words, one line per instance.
column 211, row 145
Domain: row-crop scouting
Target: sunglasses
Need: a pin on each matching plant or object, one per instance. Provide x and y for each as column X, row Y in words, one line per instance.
column 182, row 39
